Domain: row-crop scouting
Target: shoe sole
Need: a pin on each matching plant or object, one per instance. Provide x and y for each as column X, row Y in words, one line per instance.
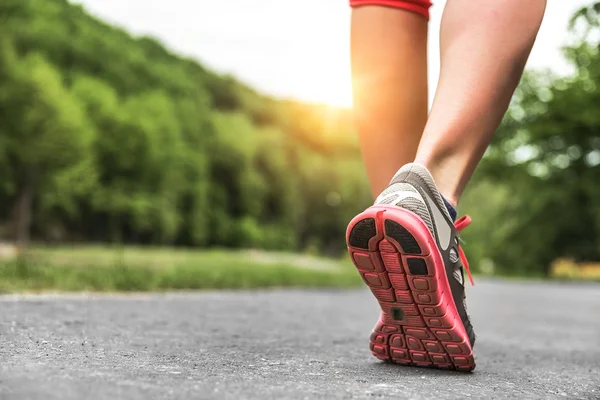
column 398, row 258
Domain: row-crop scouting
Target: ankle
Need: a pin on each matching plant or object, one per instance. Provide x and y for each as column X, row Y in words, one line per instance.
column 451, row 208
column 447, row 175
column 450, row 199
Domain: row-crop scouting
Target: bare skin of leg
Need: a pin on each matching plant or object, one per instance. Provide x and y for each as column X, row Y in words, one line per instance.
column 389, row 71
column 484, row 47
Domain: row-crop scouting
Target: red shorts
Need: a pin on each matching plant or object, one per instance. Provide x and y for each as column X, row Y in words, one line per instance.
column 418, row 6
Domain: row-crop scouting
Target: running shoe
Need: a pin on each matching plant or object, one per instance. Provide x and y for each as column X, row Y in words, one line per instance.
column 407, row 250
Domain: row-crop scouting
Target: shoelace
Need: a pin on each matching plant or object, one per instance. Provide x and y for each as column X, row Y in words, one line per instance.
column 461, row 224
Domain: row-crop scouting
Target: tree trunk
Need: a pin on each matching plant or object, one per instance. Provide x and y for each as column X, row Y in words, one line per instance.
column 22, row 213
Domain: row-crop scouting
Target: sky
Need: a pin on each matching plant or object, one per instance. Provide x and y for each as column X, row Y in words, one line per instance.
column 290, row 49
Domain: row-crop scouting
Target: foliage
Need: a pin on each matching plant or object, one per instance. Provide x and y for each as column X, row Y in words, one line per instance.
column 545, row 163
column 96, row 268
column 108, row 137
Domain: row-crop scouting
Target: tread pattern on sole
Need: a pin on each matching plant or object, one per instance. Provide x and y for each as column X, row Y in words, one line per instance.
column 402, row 236
column 419, row 325
column 362, row 232
column 417, row 266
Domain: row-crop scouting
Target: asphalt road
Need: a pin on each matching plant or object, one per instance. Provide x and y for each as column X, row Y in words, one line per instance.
column 538, row 341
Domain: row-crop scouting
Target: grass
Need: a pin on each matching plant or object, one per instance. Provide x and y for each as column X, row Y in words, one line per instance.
column 98, row 268
column 113, row 269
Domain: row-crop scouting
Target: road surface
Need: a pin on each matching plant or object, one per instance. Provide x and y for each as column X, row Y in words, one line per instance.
column 535, row 341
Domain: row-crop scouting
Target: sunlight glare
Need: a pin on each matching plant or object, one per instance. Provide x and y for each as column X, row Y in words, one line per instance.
column 330, row 86
column 317, row 61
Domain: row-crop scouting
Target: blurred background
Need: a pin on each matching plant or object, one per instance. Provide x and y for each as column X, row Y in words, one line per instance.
column 157, row 145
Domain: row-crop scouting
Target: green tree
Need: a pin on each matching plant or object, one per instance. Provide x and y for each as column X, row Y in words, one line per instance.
column 166, row 151
column 43, row 128
column 547, row 153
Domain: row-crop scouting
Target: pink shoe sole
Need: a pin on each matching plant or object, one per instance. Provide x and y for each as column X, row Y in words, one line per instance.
column 397, row 257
